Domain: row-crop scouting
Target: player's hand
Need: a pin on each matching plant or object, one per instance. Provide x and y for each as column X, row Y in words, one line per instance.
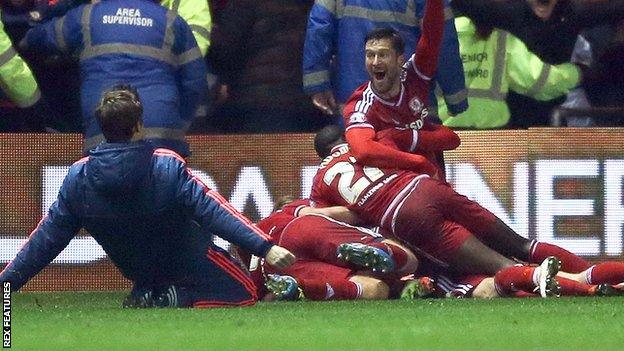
column 280, row 258
column 325, row 101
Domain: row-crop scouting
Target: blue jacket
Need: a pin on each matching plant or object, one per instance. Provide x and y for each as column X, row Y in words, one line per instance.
column 134, row 42
column 147, row 211
column 338, row 27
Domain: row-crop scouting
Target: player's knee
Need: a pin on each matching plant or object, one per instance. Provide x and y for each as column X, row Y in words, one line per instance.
column 485, row 289
column 372, row 288
column 376, row 291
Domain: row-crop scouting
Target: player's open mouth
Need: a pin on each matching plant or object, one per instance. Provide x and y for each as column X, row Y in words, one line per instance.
column 379, row 75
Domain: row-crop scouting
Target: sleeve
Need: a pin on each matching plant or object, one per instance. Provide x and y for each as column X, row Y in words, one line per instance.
column 372, row 153
column 431, row 138
column 197, row 14
column 450, row 73
column 318, row 47
column 59, row 35
column 24, row 91
column 318, row 197
column 428, row 47
column 529, row 75
column 191, row 74
column 51, row 236
column 216, row 215
column 294, row 207
column 227, row 51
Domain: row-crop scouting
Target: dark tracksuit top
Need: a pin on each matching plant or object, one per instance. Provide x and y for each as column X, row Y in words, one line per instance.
column 150, row 214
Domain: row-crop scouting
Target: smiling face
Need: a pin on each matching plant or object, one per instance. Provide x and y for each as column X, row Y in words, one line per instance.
column 383, row 65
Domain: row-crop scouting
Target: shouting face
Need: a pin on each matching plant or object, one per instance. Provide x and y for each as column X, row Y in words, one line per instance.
column 383, row 65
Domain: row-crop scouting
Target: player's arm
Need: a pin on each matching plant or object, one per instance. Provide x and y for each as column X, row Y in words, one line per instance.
column 50, row 237
column 431, row 138
column 428, row 47
column 216, row 215
column 370, row 152
column 339, row 213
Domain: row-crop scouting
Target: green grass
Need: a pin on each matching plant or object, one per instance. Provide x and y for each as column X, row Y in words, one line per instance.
column 94, row 321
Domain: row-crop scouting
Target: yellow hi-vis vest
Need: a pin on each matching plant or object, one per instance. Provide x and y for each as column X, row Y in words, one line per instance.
column 16, row 79
column 197, row 14
column 494, row 66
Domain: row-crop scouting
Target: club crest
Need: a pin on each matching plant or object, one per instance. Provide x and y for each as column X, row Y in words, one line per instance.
column 415, row 105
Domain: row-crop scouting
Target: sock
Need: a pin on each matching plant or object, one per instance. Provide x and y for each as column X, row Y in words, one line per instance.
column 569, row 262
column 320, row 290
column 571, row 287
column 607, row 272
column 398, row 254
column 512, row 279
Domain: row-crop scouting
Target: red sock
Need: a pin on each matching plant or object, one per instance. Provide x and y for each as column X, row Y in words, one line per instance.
column 509, row 280
column 607, row 272
column 398, row 254
column 320, row 290
column 569, row 262
column 571, row 287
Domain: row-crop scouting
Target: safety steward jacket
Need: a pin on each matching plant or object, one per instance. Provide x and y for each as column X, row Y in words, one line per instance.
column 494, row 66
column 145, row 208
column 135, row 42
column 197, row 14
column 16, row 80
column 334, row 47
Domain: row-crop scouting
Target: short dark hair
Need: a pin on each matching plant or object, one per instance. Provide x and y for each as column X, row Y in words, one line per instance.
column 326, row 138
column 119, row 112
column 388, row 33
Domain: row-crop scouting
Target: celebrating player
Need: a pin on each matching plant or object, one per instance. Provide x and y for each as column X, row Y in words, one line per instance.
column 396, row 95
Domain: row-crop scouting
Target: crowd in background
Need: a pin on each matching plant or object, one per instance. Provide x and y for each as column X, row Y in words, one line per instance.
column 289, row 65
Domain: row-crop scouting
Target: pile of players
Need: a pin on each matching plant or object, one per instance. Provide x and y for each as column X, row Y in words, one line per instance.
column 385, row 170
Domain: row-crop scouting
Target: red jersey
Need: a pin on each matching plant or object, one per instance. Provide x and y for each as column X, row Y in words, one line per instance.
column 372, row 192
column 365, row 109
column 278, row 220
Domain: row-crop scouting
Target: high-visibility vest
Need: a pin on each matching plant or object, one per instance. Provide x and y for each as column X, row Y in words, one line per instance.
column 16, row 79
column 494, row 66
column 197, row 14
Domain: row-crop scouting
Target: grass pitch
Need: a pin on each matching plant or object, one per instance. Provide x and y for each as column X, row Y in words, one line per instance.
column 95, row 321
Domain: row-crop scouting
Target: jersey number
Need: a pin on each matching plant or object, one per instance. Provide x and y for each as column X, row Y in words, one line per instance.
column 347, row 171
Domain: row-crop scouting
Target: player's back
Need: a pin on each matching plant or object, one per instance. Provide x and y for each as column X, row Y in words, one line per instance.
column 370, row 191
column 125, row 197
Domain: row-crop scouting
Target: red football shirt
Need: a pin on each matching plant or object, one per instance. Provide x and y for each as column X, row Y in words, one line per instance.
column 372, row 192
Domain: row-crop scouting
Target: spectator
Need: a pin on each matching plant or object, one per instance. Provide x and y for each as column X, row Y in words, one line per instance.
column 18, row 89
column 548, row 27
column 334, row 50
column 495, row 62
column 144, row 206
column 197, row 14
column 257, row 53
column 137, row 42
